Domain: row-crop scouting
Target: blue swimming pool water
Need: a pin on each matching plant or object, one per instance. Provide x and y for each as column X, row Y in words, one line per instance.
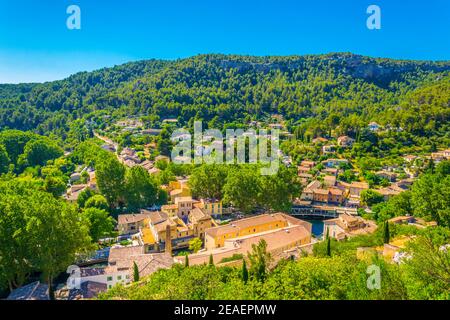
column 317, row 227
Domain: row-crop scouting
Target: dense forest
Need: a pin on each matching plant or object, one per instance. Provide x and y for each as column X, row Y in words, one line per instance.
column 314, row 94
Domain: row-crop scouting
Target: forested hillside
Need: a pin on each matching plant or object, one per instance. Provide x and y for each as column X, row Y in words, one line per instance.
column 342, row 91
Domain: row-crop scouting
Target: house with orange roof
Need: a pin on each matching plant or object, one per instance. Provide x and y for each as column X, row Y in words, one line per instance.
column 215, row 237
column 308, row 163
column 320, row 195
column 280, row 231
column 213, row 207
column 302, row 169
column 410, row 158
column 329, row 181
column 131, row 223
column 347, row 225
column 345, row 141
column 199, row 221
column 120, row 266
column 357, row 187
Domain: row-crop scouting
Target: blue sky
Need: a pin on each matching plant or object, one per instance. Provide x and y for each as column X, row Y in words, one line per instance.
column 36, row 45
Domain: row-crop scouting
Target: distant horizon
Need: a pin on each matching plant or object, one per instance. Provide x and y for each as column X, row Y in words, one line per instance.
column 37, row 46
column 225, row 54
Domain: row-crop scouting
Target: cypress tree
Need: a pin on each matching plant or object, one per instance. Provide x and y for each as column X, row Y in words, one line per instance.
column 328, row 244
column 329, row 247
column 431, row 166
column 135, row 272
column 386, row 234
column 211, row 260
column 186, row 261
column 244, row 271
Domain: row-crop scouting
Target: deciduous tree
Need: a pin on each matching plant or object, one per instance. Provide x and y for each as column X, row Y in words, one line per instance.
column 101, row 224
column 195, row 244
column 110, row 175
column 260, row 260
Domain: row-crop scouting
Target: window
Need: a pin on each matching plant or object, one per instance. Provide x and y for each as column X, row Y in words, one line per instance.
column 119, row 277
column 109, row 279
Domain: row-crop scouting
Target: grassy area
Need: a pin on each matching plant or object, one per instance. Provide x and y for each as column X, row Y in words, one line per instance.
column 234, row 257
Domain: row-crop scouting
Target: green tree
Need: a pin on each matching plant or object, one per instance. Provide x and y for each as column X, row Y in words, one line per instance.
column 211, row 260
column 430, row 198
column 100, row 223
column 370, row 197
column 14, row 142
column 15, row 251
column 84, row 196
column 163, row 197
column 4, row 160
column 242, row 188
column 164, row 142
column 328, row 240
column 430, row 167
column 443, row 168
column 195, row 244
column 141, row 190
column 57, row 233
column 38, row 152
column 427, row 265
column 110, row 174
column 347, row 176
column 135, row 272
column 208, row 180
column 97, row 201
column 260, row 260
column 278, row 190
column 398, row 205
column 55, row 185
column 386, row 233
column 244, row 271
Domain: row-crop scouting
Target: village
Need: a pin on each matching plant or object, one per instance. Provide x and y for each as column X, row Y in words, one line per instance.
column 194, row 231
column 203, row 231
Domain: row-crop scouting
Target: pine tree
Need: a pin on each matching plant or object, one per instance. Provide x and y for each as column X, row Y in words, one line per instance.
column 135, row 272
column 386, row 234
column 211, row 260
column 244, row 271
column 186, row 261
